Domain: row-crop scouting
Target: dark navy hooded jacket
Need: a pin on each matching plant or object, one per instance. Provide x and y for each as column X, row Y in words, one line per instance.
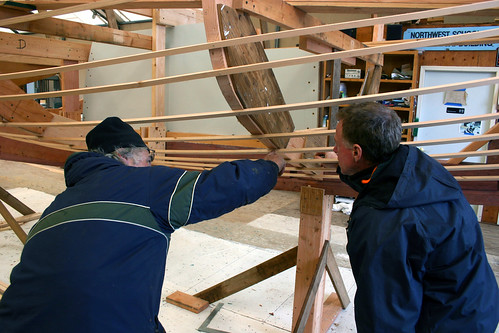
column 95, row 261
column 417, row 252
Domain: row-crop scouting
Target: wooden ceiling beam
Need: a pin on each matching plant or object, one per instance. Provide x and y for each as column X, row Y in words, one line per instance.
column 137, row 4
column 75, row 30
column 42, row 13
column 173, row 17
column 30, row 60
column 143, row 12
column 280, row 13
column 380, row 7
column 112, row 21
column 25, row 45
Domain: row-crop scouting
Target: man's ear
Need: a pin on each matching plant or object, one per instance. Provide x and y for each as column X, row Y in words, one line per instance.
column 357, row 152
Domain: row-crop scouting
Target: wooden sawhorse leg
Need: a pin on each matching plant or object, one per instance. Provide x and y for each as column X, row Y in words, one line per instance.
column 21, row 208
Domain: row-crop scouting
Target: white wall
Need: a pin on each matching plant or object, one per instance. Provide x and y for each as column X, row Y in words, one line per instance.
column 132, row 103
column 298, row 84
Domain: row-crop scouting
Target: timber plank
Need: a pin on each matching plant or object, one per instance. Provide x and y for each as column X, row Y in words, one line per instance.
column 21, row 220
column 131, row 4
column 377, row 7
column 188, row 302
column 250, row 277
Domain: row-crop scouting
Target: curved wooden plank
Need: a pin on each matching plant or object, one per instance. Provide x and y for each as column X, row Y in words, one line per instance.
column 245, row 90
column 218, row 60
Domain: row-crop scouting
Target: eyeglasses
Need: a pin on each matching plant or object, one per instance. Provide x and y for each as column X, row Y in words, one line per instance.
column 152, row 154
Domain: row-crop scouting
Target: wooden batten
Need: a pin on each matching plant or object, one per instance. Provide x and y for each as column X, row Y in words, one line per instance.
column 246, row 142
column 158, row 67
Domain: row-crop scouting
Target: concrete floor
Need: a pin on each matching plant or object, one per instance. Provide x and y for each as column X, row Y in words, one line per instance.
column 224, row 247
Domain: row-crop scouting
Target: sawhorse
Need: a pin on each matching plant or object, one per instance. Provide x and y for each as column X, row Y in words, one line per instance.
column 313, row 258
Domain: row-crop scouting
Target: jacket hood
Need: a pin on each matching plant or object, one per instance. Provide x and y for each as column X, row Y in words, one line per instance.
column 410, row 178
column 80, row 165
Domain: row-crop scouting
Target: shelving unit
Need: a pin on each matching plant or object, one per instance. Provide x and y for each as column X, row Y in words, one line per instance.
column 392, row 60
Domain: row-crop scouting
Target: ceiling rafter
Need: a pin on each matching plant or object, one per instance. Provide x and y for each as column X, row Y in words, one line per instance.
column 76, row 30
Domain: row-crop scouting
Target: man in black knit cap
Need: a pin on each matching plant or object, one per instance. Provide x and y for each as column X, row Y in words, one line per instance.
column 95, row 260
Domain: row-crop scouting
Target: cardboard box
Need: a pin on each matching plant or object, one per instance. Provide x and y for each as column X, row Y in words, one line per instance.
column 352, row 73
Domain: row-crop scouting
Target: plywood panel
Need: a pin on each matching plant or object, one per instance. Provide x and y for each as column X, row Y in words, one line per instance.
column 459, row 58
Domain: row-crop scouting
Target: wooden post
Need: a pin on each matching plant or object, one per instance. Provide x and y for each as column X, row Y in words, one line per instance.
column 374, row 71
column 335, row 93
column 490, row 213
column 315, row 226
column 71, row 104
column 158, row 66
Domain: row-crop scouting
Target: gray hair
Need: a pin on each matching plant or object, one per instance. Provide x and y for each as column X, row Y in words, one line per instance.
column 126, row 152
column 373, row 126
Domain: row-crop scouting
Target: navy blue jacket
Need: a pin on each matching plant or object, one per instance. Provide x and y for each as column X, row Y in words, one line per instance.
column 417, row 252
column 95, row 261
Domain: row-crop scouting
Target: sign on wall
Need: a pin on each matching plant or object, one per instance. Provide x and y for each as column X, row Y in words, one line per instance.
column 444, row 32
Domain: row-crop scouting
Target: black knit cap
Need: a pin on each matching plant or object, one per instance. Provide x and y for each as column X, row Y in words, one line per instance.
column 113, row 133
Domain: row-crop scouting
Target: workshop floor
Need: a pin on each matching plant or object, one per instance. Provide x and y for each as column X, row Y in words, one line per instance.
column 221, row 248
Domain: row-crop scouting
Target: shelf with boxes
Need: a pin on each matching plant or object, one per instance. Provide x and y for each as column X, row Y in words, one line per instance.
column 399, row 72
